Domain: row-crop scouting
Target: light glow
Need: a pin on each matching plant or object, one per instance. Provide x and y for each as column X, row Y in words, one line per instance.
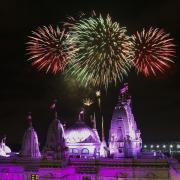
column 164, row 146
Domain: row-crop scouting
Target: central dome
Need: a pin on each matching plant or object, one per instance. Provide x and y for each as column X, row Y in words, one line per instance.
column 80, row 132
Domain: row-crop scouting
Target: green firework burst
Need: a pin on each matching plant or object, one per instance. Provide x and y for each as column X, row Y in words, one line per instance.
column 103, row 51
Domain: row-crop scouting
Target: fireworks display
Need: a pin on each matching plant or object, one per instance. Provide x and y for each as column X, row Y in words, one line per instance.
column 47, row 49
column 96, row 51
column 154, row 50
column 103, row 51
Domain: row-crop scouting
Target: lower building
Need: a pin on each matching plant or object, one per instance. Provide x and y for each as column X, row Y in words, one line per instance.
column 143, row 168
column 78, row 152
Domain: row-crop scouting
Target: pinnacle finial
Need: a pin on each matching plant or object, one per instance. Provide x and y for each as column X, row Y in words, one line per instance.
column 81, row 115
column 3, row 140
column 93, row 120
column 123, row 93
column 29, row 119
column 54, row 107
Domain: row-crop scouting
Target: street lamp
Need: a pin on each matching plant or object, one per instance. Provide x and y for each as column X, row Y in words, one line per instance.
column 170, row 147
column 164, row 146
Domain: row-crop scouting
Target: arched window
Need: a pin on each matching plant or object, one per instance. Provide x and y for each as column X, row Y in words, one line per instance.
column 75, row 151
column 70, row 150
column 85, row 151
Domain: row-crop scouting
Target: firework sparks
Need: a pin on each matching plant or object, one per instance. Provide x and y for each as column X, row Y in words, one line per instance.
column 154, row 50
column 47, row 49
column 98, row 93
column 103, row 51
column 87, row 102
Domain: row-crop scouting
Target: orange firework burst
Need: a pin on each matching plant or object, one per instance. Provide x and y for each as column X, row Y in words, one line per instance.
column 47, row 49
column 154, row 51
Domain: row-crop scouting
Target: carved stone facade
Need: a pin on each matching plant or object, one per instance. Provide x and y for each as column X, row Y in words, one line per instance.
column 124, row 136
column 82, row 141
column 81, row 169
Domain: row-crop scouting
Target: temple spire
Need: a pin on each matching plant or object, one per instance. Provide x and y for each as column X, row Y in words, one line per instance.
column 30, row 144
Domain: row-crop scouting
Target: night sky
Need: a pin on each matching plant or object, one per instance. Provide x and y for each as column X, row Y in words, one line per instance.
column 23, row 89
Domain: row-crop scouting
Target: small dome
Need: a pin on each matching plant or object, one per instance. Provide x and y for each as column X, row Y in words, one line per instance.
column 4, row 150
column 7, row 149
column 80, row 132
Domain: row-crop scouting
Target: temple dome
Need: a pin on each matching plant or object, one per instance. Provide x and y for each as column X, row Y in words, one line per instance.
column 80, row 132
column 4, row 149
column 30, row 145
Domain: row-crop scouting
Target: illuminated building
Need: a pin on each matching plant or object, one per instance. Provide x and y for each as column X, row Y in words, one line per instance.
column 124, row 136
column 78, row 153
column 172, row 147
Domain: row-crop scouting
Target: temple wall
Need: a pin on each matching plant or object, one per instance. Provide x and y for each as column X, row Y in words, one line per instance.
column 174, row 175
column 16, row 172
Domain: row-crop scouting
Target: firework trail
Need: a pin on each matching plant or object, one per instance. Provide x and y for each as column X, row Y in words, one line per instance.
column 103, row 51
